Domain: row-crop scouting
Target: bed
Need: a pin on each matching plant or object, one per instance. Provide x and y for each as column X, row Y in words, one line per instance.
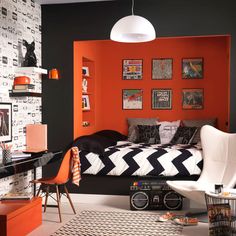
column 110, row 167
column 141, row 159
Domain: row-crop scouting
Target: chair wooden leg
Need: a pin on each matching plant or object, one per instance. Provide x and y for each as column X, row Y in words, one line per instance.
column 46, row 199
column 40, row 187
column 68, row 196
column 58, row 202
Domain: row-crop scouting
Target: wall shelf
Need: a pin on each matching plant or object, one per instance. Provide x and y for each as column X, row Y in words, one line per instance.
column 30, row 70
column 86, row 76
column 25, row 94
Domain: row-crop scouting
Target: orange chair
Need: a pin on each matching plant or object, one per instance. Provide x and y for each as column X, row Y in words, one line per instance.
column 60, row 179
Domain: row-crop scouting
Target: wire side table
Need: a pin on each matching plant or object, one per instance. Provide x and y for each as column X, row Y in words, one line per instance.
column 221, row 214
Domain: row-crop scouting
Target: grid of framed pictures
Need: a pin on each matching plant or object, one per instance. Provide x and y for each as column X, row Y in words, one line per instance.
column 132, row 69
column 161, row 98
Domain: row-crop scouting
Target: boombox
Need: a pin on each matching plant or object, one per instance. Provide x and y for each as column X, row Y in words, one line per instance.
column 153, row 195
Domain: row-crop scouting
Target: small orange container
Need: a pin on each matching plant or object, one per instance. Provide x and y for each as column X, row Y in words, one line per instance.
column 21, row 80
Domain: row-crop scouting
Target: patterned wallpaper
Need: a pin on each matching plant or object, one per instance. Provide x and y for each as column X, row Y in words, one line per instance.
column 19, row 19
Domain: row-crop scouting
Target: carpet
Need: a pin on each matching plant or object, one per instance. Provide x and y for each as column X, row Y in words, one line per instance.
column 100, row 223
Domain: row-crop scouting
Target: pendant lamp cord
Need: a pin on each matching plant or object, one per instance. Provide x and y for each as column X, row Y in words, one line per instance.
column 132, row 7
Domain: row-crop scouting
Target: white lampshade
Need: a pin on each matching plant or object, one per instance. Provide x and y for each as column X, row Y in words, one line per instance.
column 133, row 29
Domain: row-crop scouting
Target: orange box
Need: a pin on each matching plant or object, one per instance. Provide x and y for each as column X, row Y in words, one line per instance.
column 20, row 217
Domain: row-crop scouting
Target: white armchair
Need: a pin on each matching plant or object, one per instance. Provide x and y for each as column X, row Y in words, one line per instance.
column 219, row 165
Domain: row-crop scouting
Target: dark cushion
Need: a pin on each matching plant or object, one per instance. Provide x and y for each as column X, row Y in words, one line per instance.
column 199, row 124
column 133, row 130
column 93, row 143
column 184, row 135
column 148, row 134
column 112, row 134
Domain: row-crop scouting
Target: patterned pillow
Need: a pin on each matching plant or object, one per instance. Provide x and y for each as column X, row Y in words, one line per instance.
column 199, row 124
column 167, row 130
column 133, row 130
column 148, row 134
column 184, row 135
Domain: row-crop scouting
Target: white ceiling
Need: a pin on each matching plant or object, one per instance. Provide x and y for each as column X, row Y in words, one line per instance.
column 65, row 1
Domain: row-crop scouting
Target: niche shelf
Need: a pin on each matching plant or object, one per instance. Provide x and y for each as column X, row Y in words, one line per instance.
column 88, row 114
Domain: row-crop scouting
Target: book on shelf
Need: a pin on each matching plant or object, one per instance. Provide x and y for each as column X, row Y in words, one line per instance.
column 21, row 90
column 17, row 196
column 23, row 86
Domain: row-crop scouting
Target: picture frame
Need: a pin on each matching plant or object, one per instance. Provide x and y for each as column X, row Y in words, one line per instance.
column 192, row 68
column 85, row 103
column 132, row 69
column 162, row 68
column 85, row 71
column 132, row 99
column 5, row 122
column 193, row 98
column 162, row 99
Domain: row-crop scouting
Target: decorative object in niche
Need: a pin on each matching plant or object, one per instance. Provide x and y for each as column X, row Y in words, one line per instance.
column 132, row 69
column 162, row 68
column 192, row 98
column 85, row 102
column 132, row 99
column 85, row 123
column 5, row 122
column 84, row 85
column 161, row 99
column 85, row 71
column 192, row 68
column 30, row 59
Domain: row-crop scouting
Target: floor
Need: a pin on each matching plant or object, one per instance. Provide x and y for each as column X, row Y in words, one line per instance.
column 51, row 220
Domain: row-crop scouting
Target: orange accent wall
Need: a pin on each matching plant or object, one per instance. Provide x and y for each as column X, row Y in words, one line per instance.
column 109, row 84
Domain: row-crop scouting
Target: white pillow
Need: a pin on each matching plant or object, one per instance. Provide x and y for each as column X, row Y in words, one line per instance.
column 167, row 130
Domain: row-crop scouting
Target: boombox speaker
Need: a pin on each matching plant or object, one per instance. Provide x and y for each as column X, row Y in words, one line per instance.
column 153, row 195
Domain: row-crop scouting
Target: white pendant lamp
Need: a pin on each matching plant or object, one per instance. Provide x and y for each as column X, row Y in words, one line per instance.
column 133, row 29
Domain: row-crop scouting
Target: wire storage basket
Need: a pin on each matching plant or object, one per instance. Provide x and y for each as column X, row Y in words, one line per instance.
column 221, row 214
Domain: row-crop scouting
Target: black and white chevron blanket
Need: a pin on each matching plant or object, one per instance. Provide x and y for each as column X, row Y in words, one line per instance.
column 126, row 159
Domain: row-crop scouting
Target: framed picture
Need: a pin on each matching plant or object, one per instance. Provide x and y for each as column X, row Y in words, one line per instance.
column 161, row 99
column 192, row 98
column 5, row 122
column 162, row 68
column 132, row 69
column 85, row 102
column 192, row 68
column 85, row 70
column 132, row 99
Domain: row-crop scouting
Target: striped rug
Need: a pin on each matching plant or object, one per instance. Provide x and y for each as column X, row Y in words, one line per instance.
column 98, row 223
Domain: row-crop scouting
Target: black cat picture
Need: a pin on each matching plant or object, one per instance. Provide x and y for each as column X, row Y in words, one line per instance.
column 30, row 57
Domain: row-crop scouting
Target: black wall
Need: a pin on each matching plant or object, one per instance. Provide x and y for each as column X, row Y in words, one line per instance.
column 63, row 24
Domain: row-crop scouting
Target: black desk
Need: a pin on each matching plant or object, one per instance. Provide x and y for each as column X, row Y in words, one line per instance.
column 29, row 163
